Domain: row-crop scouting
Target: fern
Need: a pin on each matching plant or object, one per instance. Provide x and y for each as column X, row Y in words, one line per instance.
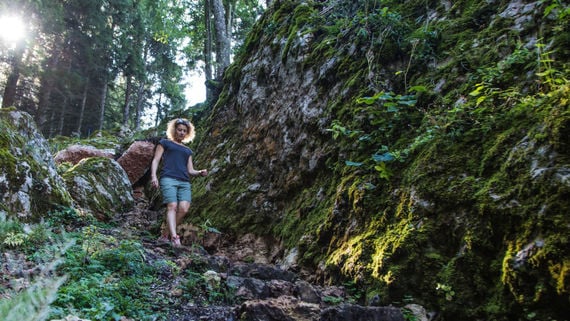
column 15, row 239
column 32, row 304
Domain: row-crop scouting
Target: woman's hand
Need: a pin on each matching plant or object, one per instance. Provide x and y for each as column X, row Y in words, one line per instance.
column 203, row 172
column 154, row 182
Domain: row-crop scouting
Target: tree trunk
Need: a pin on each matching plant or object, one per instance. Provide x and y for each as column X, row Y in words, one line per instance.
column 229, row 13
column 158, row 111
column 82, row 108
column 49, row 127
column 208, row 47
column 139, row 105
column 127, row 105
column 9, row 97
column 62, row 117
column 142, row 81
column 46, row 87
column 222, row 38
column 102, row 102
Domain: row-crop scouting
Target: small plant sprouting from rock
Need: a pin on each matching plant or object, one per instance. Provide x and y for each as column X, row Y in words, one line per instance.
column 446, row 290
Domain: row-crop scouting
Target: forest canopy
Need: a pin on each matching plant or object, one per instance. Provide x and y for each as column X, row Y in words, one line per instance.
column 82, row 66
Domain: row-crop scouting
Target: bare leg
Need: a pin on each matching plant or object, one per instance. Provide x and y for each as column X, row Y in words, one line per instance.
column 171, row 209
column 183, row 207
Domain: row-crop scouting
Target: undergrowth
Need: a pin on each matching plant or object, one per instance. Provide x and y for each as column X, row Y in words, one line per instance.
column 73, row 266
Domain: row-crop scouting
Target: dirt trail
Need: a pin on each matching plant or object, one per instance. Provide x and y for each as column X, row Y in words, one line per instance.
column 215, row 278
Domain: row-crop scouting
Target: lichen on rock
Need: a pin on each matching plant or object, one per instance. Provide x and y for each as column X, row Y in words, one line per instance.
column 100, row 186
column 30, row 185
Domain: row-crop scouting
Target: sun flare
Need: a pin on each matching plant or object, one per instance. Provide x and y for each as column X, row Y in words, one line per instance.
column 12, row 28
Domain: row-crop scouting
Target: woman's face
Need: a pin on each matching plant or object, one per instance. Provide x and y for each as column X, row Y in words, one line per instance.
column 181, row 131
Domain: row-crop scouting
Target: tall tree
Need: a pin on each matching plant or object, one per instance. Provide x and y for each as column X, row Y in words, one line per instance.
column 223, row 48
column 208, row 40
column 9, row 97
column 13, row 50
column 101, row 63
column 82, row 107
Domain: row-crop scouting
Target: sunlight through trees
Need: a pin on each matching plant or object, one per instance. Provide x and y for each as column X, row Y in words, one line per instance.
column 87, row 66
column 12, row 29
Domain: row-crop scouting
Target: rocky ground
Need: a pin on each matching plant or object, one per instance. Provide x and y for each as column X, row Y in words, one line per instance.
column 217, row 278
column 239, row 281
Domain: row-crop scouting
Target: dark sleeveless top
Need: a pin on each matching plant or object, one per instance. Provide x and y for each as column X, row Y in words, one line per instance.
column 175, row 160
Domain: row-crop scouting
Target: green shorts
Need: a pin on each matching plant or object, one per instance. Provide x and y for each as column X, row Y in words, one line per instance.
column 174, row 191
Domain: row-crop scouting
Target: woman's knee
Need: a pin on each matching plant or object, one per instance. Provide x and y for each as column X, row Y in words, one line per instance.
column 183, row 207
column 172, row 207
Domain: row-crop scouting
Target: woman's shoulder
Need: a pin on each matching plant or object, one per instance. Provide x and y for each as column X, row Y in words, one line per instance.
column 165, row 142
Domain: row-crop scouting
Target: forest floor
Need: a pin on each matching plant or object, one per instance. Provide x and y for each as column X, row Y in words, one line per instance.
column 217, row 277
column 120, row 271
column 190, row 261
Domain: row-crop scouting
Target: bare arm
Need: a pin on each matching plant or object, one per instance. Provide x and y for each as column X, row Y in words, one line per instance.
column 192, row 171
column 154, row 165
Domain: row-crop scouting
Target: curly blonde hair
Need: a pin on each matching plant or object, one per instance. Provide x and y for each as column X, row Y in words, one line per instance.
column 171, row 129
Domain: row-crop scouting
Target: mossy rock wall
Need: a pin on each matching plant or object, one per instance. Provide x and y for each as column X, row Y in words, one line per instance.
column 30, row 186
column 415, row 151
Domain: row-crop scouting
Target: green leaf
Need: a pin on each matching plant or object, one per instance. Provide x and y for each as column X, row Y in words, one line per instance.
column 549, row 9
column 386, row 157
column 391, row 107
column 214, row 230
column 366, row 100
column 418, row 89
column 481, row 99
column 356, row 164
column 477, row 91
column 383, row 170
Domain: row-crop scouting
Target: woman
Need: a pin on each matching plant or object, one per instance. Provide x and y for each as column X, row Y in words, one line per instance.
column 175, row 174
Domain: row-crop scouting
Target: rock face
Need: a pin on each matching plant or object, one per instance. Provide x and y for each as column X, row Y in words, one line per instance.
column 135, row 160
column 29, row 183
column 100, row 186
column 279, row 141
column 454, row 196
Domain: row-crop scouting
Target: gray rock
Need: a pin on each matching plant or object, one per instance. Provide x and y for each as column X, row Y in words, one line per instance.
column 352, row 312
column 30, row 186
column 100, row 186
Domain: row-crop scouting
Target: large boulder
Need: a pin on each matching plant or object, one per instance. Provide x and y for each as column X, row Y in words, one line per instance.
column 30, row 186
column 137, row 159
column 75, row 153
column 282, row 308
column 353, row 312
column 100, row 186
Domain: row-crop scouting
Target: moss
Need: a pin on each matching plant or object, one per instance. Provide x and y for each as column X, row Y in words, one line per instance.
column 465, row 199
column 561, row 273
column 454, row 179
column 494, row 154
column 226, row 213
column 26, row 169
column 8, row 164
column 302, row 15
column 304, row 215
column 89, row 182
column 557, row 117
